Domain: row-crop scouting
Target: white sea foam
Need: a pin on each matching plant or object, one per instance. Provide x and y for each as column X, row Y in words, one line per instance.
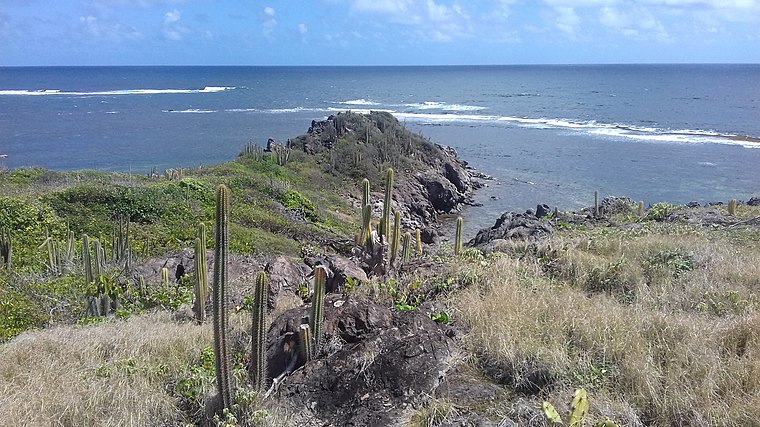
column 207, row 89
column 434, row 105
column 592, row 127
column 361, row 101
column 191, row 110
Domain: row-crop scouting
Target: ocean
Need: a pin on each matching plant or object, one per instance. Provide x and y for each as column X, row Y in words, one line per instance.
column 547, row 134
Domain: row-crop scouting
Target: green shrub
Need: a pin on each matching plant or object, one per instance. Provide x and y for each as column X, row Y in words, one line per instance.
column 296, row 201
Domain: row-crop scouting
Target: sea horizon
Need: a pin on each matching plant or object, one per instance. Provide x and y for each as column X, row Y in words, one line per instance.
column 548, row 133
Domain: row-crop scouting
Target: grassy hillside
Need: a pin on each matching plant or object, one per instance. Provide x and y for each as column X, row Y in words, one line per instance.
column 656, row 317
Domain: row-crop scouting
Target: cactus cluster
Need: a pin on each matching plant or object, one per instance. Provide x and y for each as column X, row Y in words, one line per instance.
column 59, row 262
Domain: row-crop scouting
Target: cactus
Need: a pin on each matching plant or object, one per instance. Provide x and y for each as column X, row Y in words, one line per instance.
column 596, row 203
column 143, row 286
column 396, row 235
column 458, row 238
column 418, row 240
column 578, row 409
column 54, row 260
column 201, row 274
column 306, row 342
column 385, row 224
column 6, row 249
column 120, row 243
column 257, row 369
column 550, row 413
column 732, row 207
column 86, row 259
column 406, row 252
column 165, row 277
column 365, row 193
column 318, row 306
column 219, row 301
column 641, row 209
column 365, row 237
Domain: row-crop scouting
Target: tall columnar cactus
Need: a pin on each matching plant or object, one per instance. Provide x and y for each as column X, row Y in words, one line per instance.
column 406, row 252
column 318, row 306
column 458, row 238
column 366, row 234
column 257, row 369
column 165, row 277
column 6, row 250
column 418, row 240
column 396, row 235
column 385, row 225
column 305, row 342
column 86, row 259
column 732, row 207
column 201, row 274
column 219, row 301
column 641, row 209
column 596, row 203
column 365, row 193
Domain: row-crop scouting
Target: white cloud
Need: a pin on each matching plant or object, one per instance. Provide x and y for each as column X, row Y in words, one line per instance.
column 268, row 21
column 173, row 29
column 635, row 23
column 566, row 19
column 427, row 19
column 171, row 17
column 302, row 28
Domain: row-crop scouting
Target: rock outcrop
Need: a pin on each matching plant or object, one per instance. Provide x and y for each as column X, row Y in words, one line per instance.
column 430, row 179
column 377, row 364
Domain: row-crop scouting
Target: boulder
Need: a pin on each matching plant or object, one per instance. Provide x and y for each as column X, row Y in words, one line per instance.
column 375, row 366
column 512, row 225
column 285, row 277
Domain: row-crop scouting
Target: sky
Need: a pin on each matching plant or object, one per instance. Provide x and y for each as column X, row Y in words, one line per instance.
column 377, row 32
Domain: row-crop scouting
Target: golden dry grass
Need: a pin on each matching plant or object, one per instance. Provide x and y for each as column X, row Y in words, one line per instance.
column 112, row 374
column 654, row 342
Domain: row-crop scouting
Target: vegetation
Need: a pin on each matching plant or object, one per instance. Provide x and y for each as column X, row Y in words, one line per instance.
column 656, row 318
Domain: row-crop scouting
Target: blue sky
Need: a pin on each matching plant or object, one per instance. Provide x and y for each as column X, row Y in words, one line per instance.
column 376, row 32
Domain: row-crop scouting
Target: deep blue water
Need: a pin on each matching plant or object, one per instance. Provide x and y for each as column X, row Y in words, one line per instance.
column 548, row 134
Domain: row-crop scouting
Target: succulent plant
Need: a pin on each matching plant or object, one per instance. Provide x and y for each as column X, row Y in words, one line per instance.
column 257, row 368
column 406, row 251
column 458, row 237
column 732, row 207
column 396, row 236
column 317, row 307
column 385, row 224
column 201, row 275
column 219, row 300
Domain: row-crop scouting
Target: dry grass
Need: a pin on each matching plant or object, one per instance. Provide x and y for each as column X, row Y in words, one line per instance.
column 663, row 330
column 113, row 374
